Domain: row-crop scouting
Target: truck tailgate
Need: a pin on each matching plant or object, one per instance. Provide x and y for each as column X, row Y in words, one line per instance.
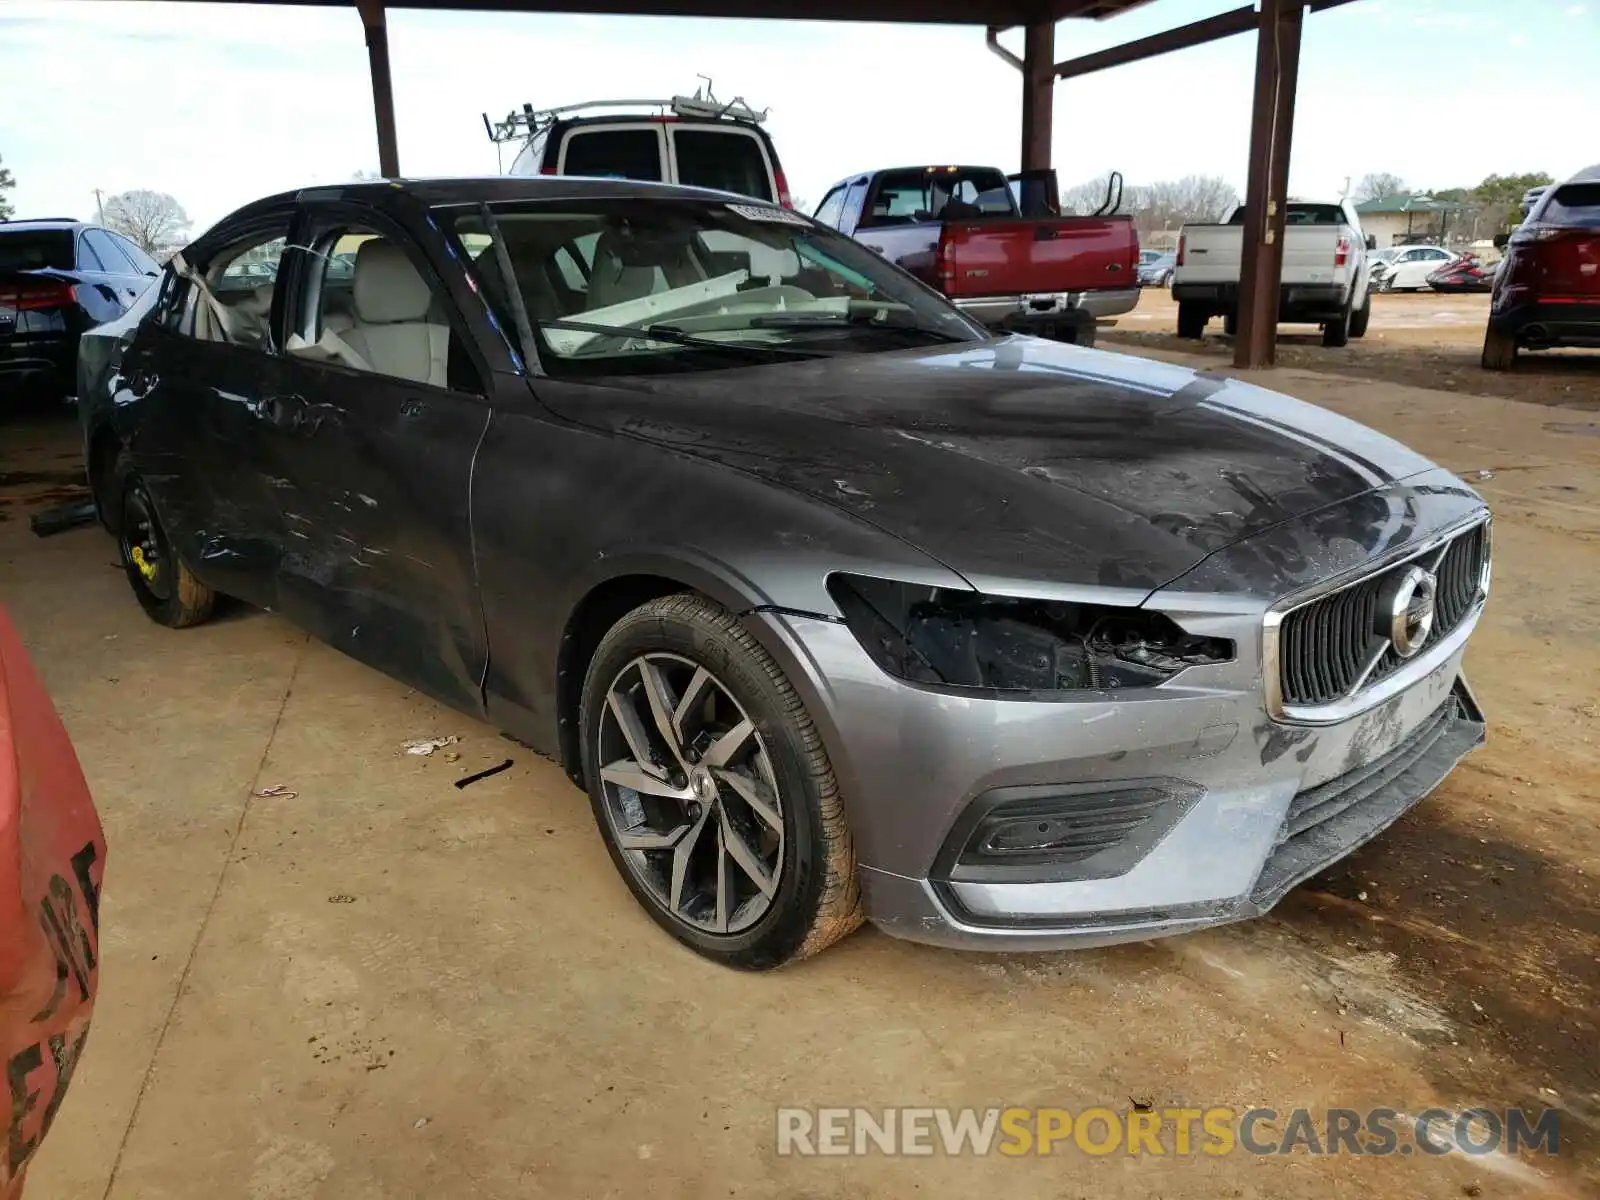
column 1065, row 254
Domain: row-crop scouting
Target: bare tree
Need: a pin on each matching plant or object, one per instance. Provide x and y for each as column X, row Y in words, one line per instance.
column 1378, row 186
column 153, row 221
column 7, row 182
column 1170, row 204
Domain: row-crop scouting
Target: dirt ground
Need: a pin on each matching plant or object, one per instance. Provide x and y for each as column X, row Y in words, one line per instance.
column 383, row 986
column 1417, row 338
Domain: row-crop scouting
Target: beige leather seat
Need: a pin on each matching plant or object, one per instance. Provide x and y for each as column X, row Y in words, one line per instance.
column 392, row 333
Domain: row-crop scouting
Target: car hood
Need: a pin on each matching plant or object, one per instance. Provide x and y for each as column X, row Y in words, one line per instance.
column 1021, row 464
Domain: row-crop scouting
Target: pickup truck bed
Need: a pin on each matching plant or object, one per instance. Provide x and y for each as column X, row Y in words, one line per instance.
column 967, row 237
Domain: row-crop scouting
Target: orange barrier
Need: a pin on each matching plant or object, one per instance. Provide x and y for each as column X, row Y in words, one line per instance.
column 52, row 859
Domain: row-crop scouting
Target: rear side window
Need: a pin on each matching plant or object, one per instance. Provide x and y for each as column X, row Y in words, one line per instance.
column 614, row 153
column 727, row 160
column 1576, row 205
column 142, row 262
column 34, row 249
column 109, row 253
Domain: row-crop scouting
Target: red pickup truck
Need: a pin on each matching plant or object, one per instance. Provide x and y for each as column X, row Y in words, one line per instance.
column 997, row 245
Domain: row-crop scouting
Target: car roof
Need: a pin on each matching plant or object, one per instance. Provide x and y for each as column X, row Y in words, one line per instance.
column 496, row 189
column 489, row 189
column 45, row 223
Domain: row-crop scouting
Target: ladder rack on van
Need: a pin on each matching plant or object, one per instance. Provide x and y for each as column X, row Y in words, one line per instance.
column 530, row 120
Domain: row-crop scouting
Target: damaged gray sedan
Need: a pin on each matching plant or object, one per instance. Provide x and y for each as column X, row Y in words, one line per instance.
column 835, row 605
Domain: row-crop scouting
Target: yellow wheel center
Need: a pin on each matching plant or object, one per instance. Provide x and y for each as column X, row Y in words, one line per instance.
column 146, row 568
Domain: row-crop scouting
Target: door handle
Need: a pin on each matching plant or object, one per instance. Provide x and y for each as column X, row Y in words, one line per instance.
column 287, row 413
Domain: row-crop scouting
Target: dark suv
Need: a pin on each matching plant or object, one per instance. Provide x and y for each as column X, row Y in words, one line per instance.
column 1547, row 292
column 59, row 277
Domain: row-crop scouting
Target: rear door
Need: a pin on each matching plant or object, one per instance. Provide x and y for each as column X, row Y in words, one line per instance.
column 374, row 450
column 1570, row 260
column 117, row 272
column 727, row 158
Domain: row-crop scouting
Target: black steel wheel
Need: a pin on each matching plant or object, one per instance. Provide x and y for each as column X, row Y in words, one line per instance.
column 712, row 789
column 165, row 587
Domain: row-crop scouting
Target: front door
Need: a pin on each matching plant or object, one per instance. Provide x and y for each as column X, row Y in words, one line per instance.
column 375, row 428
column 195, row 381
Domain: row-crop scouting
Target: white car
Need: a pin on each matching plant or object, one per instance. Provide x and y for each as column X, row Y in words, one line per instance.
column 1410, row 267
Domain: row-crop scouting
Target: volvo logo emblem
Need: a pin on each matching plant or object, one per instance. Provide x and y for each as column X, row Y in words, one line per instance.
column 1406, row 610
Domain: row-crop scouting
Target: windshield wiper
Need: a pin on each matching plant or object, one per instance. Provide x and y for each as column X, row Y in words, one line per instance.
column 834, row 320
column 671, row 336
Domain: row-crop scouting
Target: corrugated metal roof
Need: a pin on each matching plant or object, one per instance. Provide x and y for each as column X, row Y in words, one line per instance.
column 1407, row 204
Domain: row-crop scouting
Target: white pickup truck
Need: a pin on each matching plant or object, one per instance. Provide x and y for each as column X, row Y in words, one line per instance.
column 1325, row 272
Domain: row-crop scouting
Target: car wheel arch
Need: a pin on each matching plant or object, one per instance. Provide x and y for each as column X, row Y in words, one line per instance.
column 104, row 447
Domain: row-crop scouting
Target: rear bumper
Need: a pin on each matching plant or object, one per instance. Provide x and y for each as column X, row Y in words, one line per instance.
column 1540, row 325
column 35, row 361
column 1297, row 302
column 1019, row 312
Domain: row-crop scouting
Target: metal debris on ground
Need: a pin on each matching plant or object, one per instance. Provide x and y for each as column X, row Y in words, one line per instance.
column 484, row 774
column 341, row 898
column 277, row 791
column 63, row 517
column 426, row 746
column 451, row 756
column 1485, row 474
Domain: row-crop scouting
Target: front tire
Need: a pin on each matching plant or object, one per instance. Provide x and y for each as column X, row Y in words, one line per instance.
column 167, row 590
column 712, row 789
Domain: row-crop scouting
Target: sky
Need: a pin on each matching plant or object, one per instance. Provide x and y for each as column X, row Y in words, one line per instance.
column 221, row 104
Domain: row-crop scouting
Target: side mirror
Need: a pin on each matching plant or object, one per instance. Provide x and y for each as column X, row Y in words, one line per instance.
column 1372, row 241
column 1500, row 240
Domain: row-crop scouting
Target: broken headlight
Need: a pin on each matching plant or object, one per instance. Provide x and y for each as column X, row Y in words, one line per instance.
column 952, row 638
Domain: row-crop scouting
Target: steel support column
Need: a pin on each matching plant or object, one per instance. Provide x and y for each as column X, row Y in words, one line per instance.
column 1271, row 130
column 372, row 17
column 1038, row 94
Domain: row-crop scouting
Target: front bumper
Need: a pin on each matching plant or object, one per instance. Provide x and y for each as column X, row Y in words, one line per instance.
column 1267, row 804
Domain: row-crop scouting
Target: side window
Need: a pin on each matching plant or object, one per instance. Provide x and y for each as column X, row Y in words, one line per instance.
column 852, row 203
column 88, row 260
column 831, row 209
column 236, row 304
column 370, row 304
column 107, row 251
column 142, row 262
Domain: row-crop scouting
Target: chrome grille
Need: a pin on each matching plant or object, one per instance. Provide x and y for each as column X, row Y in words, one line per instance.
column 1330, row 648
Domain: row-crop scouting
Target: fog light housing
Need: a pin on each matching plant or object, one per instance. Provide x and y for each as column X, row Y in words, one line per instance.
column 1057, row 833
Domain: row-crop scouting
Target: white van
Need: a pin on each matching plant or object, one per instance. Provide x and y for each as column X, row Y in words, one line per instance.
column 694, row 140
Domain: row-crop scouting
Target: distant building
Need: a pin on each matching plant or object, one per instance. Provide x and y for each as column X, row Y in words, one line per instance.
column 1407, row 220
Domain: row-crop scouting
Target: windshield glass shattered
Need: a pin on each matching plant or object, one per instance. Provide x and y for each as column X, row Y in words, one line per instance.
column 643, row 284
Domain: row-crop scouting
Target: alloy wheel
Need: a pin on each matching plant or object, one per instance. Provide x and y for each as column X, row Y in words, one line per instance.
column 689, row 794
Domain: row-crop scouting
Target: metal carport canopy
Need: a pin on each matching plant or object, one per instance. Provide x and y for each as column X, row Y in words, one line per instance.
column 1277, row 24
